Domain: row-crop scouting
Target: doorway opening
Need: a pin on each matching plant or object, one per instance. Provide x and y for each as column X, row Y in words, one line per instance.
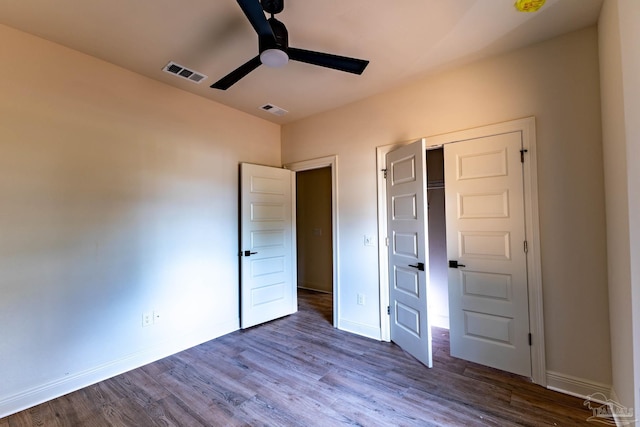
column 314, row 239
column 437, row 232
column 330, row 166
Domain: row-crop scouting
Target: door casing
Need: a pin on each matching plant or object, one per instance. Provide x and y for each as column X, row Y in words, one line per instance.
column 532, row 229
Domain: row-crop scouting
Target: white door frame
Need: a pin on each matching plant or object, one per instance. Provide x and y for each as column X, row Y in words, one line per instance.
column 527, row 127
column 332, row 162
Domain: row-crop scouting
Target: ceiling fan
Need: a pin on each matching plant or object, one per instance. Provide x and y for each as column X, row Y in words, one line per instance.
column 273, row 45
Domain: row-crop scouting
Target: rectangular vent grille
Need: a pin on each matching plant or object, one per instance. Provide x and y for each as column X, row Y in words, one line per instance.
column 185, row 73
column 277, row 111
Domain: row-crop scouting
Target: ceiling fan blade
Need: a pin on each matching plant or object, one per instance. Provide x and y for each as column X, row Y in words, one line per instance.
column 230, row 79
column 255, row 14
column 341, row 63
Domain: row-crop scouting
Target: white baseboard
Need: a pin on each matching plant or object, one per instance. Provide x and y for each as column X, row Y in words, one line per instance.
column 25, row 399
column 596, row 395
column 311, row 288
column 360, row 329
column 578, row 387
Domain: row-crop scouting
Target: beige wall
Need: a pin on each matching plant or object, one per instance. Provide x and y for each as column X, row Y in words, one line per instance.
column 619, row 38
column 557, row 82
column 118, row 196
column 313, row 230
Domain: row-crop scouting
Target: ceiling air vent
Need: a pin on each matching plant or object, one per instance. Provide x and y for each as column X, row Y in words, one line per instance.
column 270, row 108
column 185, row 73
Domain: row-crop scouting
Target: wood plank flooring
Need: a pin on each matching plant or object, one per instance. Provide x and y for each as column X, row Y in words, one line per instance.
column 300, row 371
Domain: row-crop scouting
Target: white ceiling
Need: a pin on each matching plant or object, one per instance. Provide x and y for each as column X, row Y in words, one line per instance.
column 402, row 39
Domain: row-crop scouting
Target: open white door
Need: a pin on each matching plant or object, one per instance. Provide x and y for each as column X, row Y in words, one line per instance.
column 408, row 254
column 488, row 295
column 267, row 264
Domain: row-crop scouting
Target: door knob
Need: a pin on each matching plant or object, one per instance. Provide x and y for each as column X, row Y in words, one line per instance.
column 420, row 266
column 249, row 253
column 454, row 264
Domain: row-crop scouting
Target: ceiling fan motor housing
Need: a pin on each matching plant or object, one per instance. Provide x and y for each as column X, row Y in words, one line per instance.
column 281, row 34
column 273, row 50
column 272, row 6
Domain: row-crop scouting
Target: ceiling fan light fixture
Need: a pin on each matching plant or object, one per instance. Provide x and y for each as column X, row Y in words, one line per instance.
column 274, row 58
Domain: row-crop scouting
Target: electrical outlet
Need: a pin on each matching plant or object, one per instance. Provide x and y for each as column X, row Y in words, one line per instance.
column 360, row 299
column 147, row 319
column 156, row 316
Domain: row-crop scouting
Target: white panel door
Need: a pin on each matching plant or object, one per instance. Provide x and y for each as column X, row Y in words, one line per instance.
column 408, row 254
column 267, row 263
column 488, row 295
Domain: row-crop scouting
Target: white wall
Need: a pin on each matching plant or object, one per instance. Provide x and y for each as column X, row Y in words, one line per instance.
column 620, row 67
column 629, row 13
column 630, row 38
column 118, row 196
column 557, row 82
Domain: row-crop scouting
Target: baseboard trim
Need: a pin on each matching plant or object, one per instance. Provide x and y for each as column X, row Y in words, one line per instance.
column 574, row 386
column 592, row 391
column 359, row 329
column 309, row 288
column 34, row 396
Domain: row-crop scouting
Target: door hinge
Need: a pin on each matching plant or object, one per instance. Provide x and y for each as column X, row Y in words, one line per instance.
column 526, row 247
column 384, row 171
column 386, row 241
column 530, row 339
column 389, row 310
column 524, row 150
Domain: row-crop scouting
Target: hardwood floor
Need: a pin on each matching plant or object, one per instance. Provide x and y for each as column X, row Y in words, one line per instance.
column 300, row 371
